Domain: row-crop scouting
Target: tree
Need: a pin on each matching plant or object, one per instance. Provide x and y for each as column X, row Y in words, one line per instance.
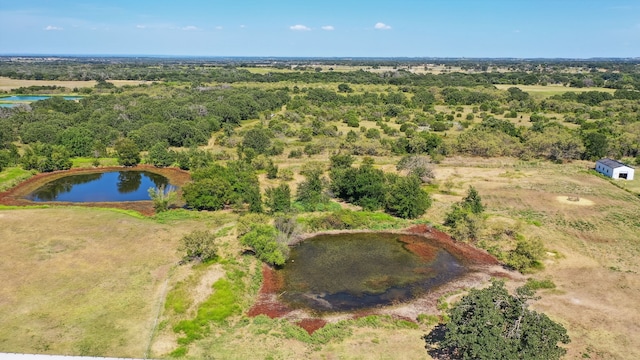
column 78, row 140
column 363, row 186
column 127, row 152
column 198, row 245
column 473, row 201
column 465, row 218
column 208, row 194
column 406, row 198
column 160, row 155
column 344, row 88
column 492, row 324
column 596, row 145
column 257, row 139
column 279, row 198
column 419, row 166
column 310, row 192
column 5, row 159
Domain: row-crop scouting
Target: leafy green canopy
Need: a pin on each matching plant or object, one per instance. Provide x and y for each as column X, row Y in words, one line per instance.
column 373, row 189
column 492, row 324
column 215, row 186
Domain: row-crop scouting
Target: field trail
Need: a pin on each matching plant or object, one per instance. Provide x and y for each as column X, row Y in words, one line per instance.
column 81, row 281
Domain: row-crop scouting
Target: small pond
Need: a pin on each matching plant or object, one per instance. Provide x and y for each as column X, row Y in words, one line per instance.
column 100, row 187
column 352, row 271
column 36, row 98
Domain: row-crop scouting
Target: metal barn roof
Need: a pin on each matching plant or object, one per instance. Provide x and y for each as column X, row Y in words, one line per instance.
column 612, row 163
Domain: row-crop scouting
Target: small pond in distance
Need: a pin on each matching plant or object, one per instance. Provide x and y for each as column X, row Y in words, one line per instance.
column 353, row 271
column 100, row 187
column 36, row 98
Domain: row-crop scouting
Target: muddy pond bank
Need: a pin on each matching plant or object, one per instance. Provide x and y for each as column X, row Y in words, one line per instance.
column 420, row 241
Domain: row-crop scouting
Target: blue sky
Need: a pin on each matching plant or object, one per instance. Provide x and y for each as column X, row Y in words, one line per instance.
column 412, row 28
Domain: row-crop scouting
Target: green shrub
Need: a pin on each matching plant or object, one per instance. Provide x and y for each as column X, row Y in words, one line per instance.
column 526, row 256
column 199, row 245
column 262, row 238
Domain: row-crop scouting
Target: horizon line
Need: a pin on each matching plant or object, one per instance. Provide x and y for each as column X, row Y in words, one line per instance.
column 59, row 55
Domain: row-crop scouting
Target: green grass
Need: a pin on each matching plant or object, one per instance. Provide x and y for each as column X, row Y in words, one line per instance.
column 534, row 284
column 85, row 162
column 348, row 219
column 12, row 176
column 222, row 304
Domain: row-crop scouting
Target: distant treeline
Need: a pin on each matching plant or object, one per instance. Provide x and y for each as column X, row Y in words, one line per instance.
column 522, row 74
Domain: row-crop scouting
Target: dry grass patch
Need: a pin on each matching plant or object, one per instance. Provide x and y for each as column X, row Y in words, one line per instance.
column 594, row 242
column 81, row 281
column 7, row 84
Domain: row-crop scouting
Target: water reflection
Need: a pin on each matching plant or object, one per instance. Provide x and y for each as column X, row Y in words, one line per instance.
column 129, row 181
column 100, row 187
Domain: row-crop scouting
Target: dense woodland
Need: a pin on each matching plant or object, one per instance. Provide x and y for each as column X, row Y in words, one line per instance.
column 308, row 113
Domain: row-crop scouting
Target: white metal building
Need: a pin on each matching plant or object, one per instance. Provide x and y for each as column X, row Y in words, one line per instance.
column 614, row 169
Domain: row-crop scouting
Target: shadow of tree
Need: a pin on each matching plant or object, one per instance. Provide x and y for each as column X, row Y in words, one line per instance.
column 433, row 340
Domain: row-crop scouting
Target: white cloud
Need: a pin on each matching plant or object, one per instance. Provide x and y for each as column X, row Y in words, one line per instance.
column 243, row 26
column 381, row 26
column 299, row 28
column 328, row 28
column 141, row 26
column 218, row 27
column 52, row 28
column 190, row 28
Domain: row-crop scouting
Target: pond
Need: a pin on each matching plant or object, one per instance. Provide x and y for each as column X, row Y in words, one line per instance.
column 353, row 271
column 36, row 98
column 100, row 187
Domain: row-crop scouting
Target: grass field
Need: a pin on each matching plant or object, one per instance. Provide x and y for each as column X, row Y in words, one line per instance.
column 539, row 91
column 7, row 84
column 83, row 281
column 10, row 177
column 596, row 273
column 92, row 281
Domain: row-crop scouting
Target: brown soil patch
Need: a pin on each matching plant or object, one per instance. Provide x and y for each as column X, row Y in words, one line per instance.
column 311, row 324
column 465, row 252
column 574, row 201
column 15, row 196
column 426, row 251
column 267, row 303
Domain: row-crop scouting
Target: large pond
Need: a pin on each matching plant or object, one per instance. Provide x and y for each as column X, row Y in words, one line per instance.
column 100, row 187
column 36, row 98
column 360, row 270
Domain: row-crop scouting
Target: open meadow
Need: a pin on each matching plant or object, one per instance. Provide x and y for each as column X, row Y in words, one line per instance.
column 93, row 281
column 269, row 156
column 7, row 84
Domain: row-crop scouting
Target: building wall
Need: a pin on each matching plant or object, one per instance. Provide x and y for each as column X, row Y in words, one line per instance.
column 624, row 169
column 615, row 173
column 604, row 170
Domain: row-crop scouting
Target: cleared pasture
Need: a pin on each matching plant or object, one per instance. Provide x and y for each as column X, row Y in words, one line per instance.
column 539, row 91
column 7, row 84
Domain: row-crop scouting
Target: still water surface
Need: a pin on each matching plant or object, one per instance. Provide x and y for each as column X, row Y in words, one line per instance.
column 352, row 271
column 100, row 187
